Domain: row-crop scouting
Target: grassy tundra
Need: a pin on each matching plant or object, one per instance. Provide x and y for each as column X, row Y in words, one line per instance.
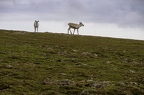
column 60, row 64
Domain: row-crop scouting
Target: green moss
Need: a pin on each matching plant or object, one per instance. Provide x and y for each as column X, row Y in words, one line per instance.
column 61, row 64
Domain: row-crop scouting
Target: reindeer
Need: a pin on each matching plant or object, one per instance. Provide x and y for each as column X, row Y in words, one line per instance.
column 74, row 26
column 36, row 24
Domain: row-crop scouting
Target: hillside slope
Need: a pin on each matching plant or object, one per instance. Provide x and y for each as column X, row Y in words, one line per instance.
column 60, row 64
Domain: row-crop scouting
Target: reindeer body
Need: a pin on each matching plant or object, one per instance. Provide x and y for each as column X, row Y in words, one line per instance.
column 74, row 26
column 36, row 25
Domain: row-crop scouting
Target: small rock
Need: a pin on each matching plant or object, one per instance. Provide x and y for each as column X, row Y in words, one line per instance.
column 74, row 50
column 132, row 71
column 86, row 53
column 95, row 55
column 9, row 66
column 49, row 81
column 63, row 74
column 85, row 92
column 66, row 82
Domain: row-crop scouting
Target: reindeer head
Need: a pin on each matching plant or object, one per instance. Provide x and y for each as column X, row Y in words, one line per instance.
column 36, row 21
column 80, row 23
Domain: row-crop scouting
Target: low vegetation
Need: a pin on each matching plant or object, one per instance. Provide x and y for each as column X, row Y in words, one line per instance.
column 61, row 64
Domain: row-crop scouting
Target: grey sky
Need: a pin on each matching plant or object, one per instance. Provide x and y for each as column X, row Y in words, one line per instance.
column 122, row 13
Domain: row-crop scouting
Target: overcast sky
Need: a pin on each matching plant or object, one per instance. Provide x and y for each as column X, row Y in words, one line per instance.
column 108, row 18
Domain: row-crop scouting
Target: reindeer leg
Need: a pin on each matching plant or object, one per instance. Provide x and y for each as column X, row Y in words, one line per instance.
column 78, row 31
column 69, row 30
column 74, row 32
